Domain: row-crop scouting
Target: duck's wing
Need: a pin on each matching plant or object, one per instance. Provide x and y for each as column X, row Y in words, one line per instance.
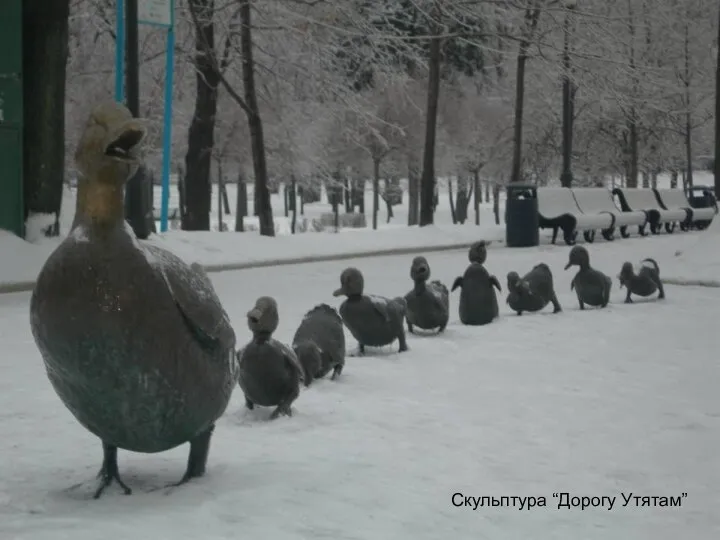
column 440, row 293
column 194, row 296
column 291, row 359
column 381, row 305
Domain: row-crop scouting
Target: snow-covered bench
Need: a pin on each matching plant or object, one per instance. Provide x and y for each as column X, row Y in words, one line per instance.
column 598, row 200
column 645, row 200
column 559, row 210
column 675, row 199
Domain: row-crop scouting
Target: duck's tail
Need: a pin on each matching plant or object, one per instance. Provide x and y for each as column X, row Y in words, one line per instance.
column 654, row 263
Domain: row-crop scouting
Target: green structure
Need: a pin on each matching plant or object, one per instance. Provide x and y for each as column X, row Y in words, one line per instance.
column 11, row 117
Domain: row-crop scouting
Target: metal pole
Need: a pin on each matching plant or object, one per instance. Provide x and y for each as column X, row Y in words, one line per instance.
column 717, row 113
column 566, row 177
column 119, row 50
column 167, row 128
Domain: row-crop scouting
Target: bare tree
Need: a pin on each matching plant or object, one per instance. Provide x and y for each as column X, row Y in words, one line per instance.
column 427, row 179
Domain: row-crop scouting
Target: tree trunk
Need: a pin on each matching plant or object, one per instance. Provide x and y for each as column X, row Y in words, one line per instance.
column 463, row 199
column 360, row 186
column 632, row 166
column 347, row 192
column 452, row 203
column 44, row 61
column 225, row 198
column 388, row 201
column 241, row 203
column 201, row 138
column 427, row 181
column 688, row 111
column 487, row 191
column 496, row 203
column 264, row 211
column 181, row 191
column 654, row 178
column 376, row 191
column 286, row 202
column 413, row 192
column 531, row 19
column 645, row 179
column 293, row 194
column 716, row 157
column 335, row 195
column 478, row 195
column 219, row 197
column 673, row 178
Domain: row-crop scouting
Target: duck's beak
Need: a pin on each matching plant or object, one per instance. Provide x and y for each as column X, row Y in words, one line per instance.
column 339, row 292
column 124, row 145
column 568, row 265
column 254, row 315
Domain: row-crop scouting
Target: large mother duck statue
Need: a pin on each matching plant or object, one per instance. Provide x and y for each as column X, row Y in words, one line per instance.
column 134, row 340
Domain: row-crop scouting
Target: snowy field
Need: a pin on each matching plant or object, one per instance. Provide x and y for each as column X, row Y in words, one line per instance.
column 594, row 403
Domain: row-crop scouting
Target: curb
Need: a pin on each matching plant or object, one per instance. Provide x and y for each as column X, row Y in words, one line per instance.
column 338, row 257
column 25, row 286
column 711, row 283
column 18, row 286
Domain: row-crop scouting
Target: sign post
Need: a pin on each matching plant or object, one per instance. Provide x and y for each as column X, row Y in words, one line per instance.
column 159, row 13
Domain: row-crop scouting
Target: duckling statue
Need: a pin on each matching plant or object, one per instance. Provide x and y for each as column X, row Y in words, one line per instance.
column 533, row 291
column 319, row 343
column 644, row 283
column 270, row 372
column 478, row 301
column 478, row 252
column 135, row 342
column 591, row 286
column 428, row 304
column 373, row 321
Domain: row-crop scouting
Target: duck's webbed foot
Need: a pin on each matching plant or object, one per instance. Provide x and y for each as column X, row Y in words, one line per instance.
column 402, row 341
column 286, row 406
column 337, row 371
column 109, row 472
column 197, row 459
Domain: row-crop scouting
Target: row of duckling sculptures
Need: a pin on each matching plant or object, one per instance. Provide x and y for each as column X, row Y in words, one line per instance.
column 535, row 290
column 137, row 345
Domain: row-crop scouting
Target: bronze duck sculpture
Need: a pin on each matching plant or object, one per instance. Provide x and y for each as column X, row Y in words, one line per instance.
column 135, row 341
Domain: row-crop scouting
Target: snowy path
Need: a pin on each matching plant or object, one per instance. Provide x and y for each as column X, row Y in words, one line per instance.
column 591, row 403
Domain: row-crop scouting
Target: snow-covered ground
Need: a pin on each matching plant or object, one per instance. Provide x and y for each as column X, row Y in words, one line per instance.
column 594, row 404
column 218, row 250
column 214, row 249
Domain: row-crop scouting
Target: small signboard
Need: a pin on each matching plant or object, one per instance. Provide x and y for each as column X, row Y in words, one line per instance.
column 156, row 12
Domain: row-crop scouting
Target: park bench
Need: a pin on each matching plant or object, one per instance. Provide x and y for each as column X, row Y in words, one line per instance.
column 645, row 200
column 558, row 209
column 598, row 200
column 675, row 199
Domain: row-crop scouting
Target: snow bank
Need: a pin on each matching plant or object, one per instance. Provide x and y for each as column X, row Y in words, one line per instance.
column 217, row 251
column 684, row 258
